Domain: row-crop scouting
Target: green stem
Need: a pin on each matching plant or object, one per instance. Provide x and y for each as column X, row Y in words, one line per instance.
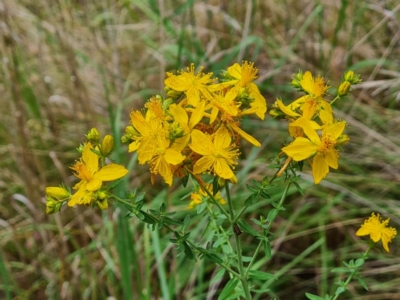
column 280, row 204
column 334, row 100
column 364, row 256
column 243, row 275
column 240, row 213
column 127, row 203
column 213, row 199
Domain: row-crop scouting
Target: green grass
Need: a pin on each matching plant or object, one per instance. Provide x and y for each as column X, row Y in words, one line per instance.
column 69, row 66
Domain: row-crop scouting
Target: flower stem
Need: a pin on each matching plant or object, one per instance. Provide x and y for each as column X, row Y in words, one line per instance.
column 355, row 270
column 243, row 275
column 127, row 203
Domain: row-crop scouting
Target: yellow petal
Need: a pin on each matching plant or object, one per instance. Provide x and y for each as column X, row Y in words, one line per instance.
column 334, row 130
column 179, row 113
column 133, row 146
column 197, row 114
column 332, row 158
column 308, row 130
column 375, row 236
column 300, row 149
column 94, row 185
column 201, row 143
column 110, row 172
column 222, row 139
column 319, row 168
column 286, row 110
column 245, row 135
column 222, row 169
column 362, row 231
column 91, row 159
column 80, row 197
column 235, row 71
column 307, row 83
column 203, row 164
column 173, row 156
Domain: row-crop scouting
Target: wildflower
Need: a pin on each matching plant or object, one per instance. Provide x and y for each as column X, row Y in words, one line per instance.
column 324, row 147
column 91, row 176
column 164, row 156
column 378, row 230
column 315, row 89
column 243, row 78
column 218, row 153
column 193, row 85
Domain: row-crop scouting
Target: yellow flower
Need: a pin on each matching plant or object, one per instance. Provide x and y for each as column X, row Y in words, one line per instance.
column 163, row 157
column 324, row 147
column 378, row 230
column 87, row 170
column 218, row 154
column 244, row 76
column 193, row 85
column 180, row 115
column 314, row 87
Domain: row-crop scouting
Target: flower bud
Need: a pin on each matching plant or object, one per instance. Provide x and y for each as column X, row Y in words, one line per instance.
column 296, row 80
column 93, row 135
column 52, row 206
column 58, row 193
column 343, row 139
column 107, row 145
column 103, row 204
column 344, row 88
column 351, row 77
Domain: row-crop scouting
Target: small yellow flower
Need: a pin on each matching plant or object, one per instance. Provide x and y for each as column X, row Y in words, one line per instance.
column 324, row 147
column 218, row 154
column 378, row 230
column 194, row 85
column 87, row 170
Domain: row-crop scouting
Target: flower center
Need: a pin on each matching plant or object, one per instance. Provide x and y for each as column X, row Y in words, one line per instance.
column 82, row 171
column 327, row 143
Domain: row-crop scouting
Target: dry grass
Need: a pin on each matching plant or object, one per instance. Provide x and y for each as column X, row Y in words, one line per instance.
column 70, row 65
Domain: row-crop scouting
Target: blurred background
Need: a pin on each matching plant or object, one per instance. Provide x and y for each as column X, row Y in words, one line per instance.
column 70, row 65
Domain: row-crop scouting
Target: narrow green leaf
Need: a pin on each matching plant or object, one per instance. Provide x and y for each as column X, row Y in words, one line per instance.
column 362, row 283
column 188, row 251
column 313, row 297
column 228, row 289
column 267, row 248
column 260, row 275
column 247, row 228
column 219, row 275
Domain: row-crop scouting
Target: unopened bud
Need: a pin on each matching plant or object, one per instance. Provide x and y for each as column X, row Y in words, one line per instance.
column 103, row 204
column 344, row 88
column 93, row 135
column 52, row 206
column 343, row 139
column 58, row 193
column 351, row 77
column 107, row 145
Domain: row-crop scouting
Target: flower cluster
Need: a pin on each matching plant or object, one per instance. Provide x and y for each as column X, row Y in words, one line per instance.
column 92, row 172
column 378, row 230
column 196, row 128
column 316, row 132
